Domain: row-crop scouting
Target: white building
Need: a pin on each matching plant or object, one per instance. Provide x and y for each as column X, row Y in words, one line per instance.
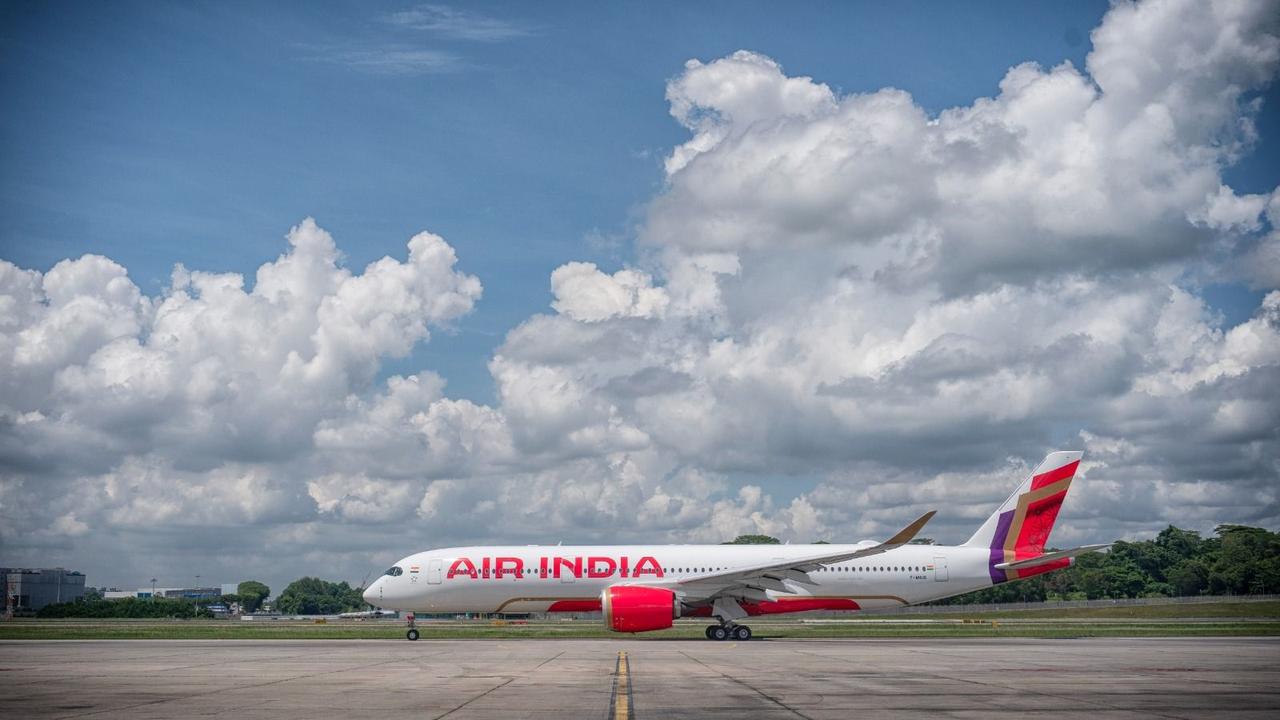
column 200, row 593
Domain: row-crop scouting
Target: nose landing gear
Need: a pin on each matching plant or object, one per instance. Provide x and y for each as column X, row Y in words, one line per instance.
column 412, row 633
column 728, row 631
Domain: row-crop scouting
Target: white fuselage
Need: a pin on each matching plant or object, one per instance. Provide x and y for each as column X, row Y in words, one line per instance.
column 571, row 578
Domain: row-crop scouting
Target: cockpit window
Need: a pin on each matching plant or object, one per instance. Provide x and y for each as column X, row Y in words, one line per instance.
column 394, row 571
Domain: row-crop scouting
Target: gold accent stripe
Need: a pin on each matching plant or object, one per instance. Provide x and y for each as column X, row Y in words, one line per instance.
column 505, row 603
column 1015, row 528
column 1020, row 516
column 1051, row 489
column 593, row 598
column 842, row 597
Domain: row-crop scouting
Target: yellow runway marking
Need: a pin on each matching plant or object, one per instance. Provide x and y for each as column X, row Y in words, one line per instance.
column 621, row 690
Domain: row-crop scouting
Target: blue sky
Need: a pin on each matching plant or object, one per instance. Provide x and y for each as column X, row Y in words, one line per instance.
column 818, row 306
column 200, row 132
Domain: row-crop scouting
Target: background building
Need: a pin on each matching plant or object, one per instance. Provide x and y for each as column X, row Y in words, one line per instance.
column 29, row 589
column 190, row 593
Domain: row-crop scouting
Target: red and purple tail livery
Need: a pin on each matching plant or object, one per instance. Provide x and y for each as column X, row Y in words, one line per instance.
column 1020, row 528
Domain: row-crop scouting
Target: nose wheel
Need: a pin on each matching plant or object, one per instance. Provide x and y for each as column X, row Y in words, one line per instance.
column 741, row 633
column 412, row 634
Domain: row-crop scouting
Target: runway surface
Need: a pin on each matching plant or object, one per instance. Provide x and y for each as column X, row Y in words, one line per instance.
column 1094, row 678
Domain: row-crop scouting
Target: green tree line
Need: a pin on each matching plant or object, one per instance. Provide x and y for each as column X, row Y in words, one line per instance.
column 313, row 596
column 250, row 594
column 1238, row 560
column 126, row 608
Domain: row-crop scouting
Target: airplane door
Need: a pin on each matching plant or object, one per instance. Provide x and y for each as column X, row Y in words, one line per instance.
column 940, row 568
column 433, row 571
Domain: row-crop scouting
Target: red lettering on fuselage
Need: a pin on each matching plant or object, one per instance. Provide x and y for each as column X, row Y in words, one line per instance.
column 647, row 564
column 462, row 566
column 574, row 567
column 600, row 567
column 595, row 567
column 513, row 565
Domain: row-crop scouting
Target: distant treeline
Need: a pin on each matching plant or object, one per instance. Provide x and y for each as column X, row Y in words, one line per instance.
column 1239, row 560
column 126, row 608
column 313, row 596
column 307, row 596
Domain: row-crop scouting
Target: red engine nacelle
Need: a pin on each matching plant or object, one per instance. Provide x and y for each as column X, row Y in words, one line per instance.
column 635, row 608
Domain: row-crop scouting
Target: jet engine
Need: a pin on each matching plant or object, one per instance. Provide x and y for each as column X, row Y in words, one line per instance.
column 635, row 608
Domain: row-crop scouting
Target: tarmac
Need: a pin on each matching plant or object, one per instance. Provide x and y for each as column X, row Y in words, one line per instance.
column 640, row 679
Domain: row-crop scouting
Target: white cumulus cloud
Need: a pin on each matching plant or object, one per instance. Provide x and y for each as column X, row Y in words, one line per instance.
column 850, row 311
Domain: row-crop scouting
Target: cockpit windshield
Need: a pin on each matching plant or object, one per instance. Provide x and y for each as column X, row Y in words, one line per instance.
column 394, row 571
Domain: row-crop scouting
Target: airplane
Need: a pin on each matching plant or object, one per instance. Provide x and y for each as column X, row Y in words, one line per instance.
column 641, row 588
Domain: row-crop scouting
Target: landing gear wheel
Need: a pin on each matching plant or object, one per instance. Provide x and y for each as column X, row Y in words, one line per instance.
column 412, row 634
column 709, row 629
column 742, row 633
column 718, row 632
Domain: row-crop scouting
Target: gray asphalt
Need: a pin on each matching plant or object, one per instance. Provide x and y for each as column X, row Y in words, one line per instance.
column 1093, row 678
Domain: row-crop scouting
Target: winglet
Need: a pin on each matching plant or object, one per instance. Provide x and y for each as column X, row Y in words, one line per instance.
column 905, row 534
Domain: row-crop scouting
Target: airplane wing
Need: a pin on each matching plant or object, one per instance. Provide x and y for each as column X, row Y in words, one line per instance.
column 724, row 589
column 1050, row 557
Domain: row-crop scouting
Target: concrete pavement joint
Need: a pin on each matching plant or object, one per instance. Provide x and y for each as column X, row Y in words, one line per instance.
column 481, row 695
column 229, row 689
column 748, row 686
column 1016, row 689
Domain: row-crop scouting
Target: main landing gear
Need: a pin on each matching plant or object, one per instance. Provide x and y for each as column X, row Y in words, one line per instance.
column 729, row 631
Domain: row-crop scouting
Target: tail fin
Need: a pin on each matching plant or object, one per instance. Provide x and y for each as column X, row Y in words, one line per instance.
column 1019, row 528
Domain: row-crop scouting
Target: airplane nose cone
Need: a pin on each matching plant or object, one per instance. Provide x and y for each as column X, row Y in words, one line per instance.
column 371, row 594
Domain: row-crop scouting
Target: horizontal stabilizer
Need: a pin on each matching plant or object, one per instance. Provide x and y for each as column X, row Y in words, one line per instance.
column 1050, row 557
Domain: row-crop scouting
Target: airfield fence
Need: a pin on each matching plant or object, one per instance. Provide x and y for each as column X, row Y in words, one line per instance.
column 1055, row 604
